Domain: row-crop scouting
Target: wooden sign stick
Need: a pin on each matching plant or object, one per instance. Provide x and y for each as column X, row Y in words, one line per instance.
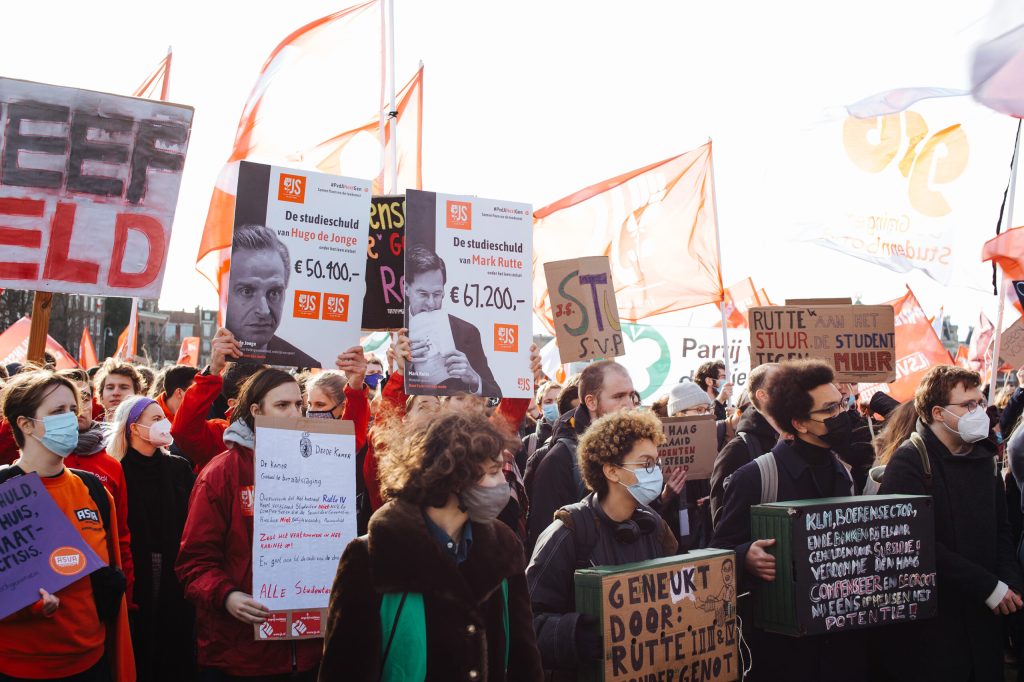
column 40, row 326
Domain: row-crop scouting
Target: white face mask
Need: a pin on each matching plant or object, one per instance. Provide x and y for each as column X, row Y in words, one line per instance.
column 972, row 427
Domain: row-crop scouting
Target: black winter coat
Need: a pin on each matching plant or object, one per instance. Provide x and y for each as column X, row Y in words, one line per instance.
column 553, row 483
column 974, row 551
column 463, row 604
column 836, row 658
column 736, row 453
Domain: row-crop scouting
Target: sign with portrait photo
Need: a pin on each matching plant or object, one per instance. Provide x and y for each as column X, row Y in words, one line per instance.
column 468, row 292
column 298, row 259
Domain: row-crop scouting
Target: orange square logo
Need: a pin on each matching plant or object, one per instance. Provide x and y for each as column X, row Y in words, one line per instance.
column 336, row 307
column 506, row 338
column 292, row 188
column 460, row 215
column 307, row 305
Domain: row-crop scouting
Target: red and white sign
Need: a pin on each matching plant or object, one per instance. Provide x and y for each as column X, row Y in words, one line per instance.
column 88, row 186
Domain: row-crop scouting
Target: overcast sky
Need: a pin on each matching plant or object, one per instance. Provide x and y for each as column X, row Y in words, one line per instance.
column 532, row 100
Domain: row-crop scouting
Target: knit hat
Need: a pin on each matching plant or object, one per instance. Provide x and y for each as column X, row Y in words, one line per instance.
column 686, row 395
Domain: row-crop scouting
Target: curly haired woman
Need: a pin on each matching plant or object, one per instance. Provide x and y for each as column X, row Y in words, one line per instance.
column 618, row 457
column 436, row 589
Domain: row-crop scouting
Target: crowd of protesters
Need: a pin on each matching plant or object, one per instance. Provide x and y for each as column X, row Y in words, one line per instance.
column 474, row 514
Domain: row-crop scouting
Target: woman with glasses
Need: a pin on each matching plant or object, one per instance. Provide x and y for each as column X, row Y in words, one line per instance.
column 613, row 525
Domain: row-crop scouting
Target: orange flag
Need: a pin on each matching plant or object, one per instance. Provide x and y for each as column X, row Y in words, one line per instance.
column 918, row 348
column 14, row 346
column 86, row 350
column 656, row 224
column 962, row 352
column 128, row 341
column 189, row 353
column 158, row 83
column 1007, row 250
column 739, row 298
column 306, row 91
column 979, row 353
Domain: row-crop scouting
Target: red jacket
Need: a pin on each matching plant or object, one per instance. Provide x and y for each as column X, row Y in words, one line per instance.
column 201, row 439
column 8, row 446
column 216, row 559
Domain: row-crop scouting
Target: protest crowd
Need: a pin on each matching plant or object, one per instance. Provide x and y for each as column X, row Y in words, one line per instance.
column 826, row 493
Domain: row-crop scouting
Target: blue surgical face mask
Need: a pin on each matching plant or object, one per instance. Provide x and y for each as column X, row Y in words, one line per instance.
column 373, row 379
column 61, row 437
column 550, row 412
column 648, row 485
column 851, row 402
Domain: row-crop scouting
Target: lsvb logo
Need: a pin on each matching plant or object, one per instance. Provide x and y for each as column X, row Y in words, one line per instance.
column 291, row 188
column 459, row 215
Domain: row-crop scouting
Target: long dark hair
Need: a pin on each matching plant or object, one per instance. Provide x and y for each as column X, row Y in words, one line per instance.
column 255, row 389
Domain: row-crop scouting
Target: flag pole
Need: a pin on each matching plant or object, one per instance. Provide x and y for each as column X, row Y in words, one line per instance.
column 382, row 119
column 393, row 112
column 718, row 243
column 1002, row 285
column 165, row 88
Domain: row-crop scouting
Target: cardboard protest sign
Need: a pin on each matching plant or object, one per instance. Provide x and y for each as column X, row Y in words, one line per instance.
column 1011, row 345
column 690, row 443
column 39, row 548
column 304, row 514
column 858, row 341
column 295, row 292
column 846, row 563
column 668, row 619
column 384, row 305
column 88, row 186
column 584, row 309
column 468, row 291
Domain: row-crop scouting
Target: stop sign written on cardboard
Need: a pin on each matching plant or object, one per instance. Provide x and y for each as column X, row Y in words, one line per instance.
column 88, row 187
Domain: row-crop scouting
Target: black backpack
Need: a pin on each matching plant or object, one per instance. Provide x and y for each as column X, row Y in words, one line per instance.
column 108, row 583
column 542, row 452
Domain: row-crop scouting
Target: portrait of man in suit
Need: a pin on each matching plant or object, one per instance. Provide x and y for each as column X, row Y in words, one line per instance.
column 463, row 368
column 260, row 266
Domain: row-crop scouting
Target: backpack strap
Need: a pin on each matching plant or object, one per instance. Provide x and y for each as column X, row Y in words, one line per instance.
column 582, row 521
column 769, row 477
column 9, row 472
column 531, row 445
column 407, row 637
column 577, row 477
column 926, row 464
column 753, row 447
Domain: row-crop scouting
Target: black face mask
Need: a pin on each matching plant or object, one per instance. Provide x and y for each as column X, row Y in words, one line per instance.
column 839, row 429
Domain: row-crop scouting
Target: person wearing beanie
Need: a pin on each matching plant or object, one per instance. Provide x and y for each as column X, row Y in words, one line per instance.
column 685, row 399
column 688, row 514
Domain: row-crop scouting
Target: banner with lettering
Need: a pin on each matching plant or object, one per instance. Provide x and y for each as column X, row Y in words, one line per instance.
column 304, row 514
column 690, row 443
column 384, row 305
column 298, row 259
column 88, row 187
column 468, row 286
column 584, row 310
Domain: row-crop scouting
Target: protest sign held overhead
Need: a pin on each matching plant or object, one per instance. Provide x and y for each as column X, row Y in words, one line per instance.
column 1011, row 346
column 88, row 187
column 296, row 287
column 40, row 547
column 384, row 305
column 668, row 619
column 690, row 443
column 467, row 285
column 847, row 563
column 304, row 513
column 858, row 341
column 584, row 310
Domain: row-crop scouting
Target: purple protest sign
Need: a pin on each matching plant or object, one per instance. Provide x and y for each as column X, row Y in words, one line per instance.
column 39, row 548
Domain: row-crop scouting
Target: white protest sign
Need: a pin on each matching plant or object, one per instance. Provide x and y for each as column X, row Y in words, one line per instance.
column 298, row 260
column 304, row 516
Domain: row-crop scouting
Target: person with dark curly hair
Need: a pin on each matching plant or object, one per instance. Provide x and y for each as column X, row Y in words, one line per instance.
column 613, row 525
column 804, row 402
column 436, row 588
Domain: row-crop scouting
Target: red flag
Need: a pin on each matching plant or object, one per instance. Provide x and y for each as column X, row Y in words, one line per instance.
column 128, row 341
column 1007, row 250
column 739, row 298
column 14, row 346
column 189, row 353
column 656, row 224
column 158, row 83
column 918, row 348
column 86, row 350
column 962, row 353
column 298, row 102
column 979, row 354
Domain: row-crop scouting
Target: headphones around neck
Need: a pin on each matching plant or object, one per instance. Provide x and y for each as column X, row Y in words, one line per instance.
column 643, row 522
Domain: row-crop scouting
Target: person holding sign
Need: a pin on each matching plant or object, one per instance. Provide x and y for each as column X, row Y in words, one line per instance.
column 159, row 485
column 443, row 346
column 613, row 525
column 801, row 399
column 979, row 576
column 215, row 558
column 436, row 588
column 68, row 634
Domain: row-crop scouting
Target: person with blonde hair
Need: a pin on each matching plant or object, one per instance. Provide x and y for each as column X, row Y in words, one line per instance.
column 159, row 485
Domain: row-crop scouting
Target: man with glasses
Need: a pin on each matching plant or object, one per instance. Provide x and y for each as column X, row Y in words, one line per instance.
column 977, row 568
column 804, row 402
